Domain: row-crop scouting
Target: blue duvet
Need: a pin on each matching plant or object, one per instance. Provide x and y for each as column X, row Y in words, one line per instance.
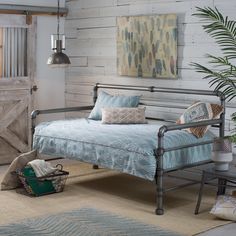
column 126, row 148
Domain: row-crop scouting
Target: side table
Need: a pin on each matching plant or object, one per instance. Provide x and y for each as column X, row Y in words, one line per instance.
column 224, row 177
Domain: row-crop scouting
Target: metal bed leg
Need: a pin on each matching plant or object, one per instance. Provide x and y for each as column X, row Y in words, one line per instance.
column 200, row 192
column 95, row 95
column 159, row 209
column 159, row 152
column 222, row 182
column 221, row 186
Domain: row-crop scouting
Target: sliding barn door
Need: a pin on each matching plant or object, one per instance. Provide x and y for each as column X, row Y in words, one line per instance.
column 16, row 79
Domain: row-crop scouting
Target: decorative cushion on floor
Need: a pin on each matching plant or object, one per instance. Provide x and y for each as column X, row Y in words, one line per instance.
column 11, row 181
column 107, row 100
column 200, row 111
column 123, row 115
column 225, row 207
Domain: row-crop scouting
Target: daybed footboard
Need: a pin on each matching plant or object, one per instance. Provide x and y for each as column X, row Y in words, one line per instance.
column 35, row 113
column 159, row 153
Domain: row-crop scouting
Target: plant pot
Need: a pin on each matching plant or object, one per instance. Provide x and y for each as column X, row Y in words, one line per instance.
column 234, row 155
column 222, row 160
column 222, row 154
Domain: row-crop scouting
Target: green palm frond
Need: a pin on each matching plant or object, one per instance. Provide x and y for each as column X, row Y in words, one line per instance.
column 222, row 76
column 220, row 28
column 222, row 63
column 218, row 79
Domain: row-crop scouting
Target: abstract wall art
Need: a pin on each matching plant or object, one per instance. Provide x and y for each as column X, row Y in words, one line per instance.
column 147, row 46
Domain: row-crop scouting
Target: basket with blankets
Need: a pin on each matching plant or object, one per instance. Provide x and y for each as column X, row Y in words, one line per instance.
column 39, row 177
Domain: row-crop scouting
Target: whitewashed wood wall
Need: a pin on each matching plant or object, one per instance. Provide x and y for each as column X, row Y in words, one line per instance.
column 90, row 29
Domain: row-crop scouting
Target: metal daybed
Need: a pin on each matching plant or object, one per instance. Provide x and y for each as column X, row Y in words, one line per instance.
column 162, row 136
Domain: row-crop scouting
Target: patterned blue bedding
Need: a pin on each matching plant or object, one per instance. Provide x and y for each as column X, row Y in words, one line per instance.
column 126, row 148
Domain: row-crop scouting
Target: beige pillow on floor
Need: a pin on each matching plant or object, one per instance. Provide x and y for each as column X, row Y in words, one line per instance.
column 11, row 181
column 123, row 115
column 225, row 207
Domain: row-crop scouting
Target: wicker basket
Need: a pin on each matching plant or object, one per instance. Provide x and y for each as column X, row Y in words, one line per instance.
column 38, row 186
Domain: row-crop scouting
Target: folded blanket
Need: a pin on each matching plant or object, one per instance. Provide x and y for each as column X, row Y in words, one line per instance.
column 42, row 168
column 11, row 181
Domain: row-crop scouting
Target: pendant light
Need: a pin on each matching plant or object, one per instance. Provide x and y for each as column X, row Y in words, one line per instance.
column 58, row 58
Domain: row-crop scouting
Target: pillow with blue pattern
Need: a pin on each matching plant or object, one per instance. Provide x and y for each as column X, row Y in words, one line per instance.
column 106, row 100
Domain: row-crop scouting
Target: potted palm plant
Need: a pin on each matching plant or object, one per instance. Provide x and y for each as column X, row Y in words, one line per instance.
column 221, row 70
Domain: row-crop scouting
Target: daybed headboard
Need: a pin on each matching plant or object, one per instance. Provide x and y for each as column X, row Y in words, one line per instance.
column 153, row 89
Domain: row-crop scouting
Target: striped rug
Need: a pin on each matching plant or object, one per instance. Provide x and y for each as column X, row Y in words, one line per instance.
column 83, row 222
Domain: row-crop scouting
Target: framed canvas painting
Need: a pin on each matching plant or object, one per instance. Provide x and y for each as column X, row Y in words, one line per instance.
column 147, row 46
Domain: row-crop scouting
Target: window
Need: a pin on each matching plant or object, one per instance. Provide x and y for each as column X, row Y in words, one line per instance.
column 13, row 52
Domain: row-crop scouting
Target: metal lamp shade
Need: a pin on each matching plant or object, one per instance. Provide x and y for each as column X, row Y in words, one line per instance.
column 58, row 59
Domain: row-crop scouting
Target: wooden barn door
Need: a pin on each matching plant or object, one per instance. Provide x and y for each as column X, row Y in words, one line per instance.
column 16, row 80
column 14, row 109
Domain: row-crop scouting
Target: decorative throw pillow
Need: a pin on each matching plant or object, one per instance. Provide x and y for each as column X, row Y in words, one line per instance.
column 106, row 100
column 123, row 115
column 11, row 181
column 200, row 111
column 225, row 207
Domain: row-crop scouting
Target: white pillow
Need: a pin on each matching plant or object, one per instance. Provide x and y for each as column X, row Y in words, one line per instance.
column 225, row 207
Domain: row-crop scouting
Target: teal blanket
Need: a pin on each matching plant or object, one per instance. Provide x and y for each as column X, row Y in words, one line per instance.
column 126, row 148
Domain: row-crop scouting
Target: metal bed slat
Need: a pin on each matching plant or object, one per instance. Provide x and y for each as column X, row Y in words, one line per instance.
column 187, row 146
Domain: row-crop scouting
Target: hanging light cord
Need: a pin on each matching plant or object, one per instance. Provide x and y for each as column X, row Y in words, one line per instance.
column 58, row 19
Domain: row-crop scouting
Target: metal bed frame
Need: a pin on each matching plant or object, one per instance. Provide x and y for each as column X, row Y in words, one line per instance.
column 160, row 150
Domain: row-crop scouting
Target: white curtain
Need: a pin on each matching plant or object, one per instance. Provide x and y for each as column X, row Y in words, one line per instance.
column 14, row 52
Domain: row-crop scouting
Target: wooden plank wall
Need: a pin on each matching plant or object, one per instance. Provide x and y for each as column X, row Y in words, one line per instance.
column 90, row 29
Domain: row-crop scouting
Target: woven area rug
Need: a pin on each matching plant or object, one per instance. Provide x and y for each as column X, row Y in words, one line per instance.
column 120, row 194
column 85, row 221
